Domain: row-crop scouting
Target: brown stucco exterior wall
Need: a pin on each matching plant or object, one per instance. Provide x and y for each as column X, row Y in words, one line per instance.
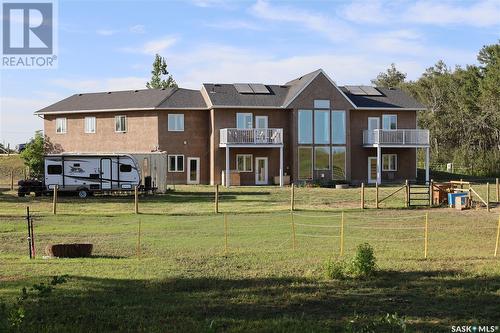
column 226, row 118
column 192, row 142
column 141, row 135
column 359, row 154
column 320, row 88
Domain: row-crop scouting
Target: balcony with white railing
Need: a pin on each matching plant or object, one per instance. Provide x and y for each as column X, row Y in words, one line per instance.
column 396, row 138
column 251, row 136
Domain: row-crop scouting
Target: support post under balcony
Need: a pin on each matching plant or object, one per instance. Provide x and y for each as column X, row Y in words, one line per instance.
column 427, row 158
column 281, row 166
column 379, row 165
column 228, row 175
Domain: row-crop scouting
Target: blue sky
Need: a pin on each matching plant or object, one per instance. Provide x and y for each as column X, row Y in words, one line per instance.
column 110, row 45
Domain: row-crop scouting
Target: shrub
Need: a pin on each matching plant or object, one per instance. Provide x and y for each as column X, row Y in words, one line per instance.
column 390, row 323
column 363, row 264
column 335, row 269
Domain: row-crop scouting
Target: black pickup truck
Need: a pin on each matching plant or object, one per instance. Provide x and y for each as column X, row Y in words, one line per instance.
column 25, row 187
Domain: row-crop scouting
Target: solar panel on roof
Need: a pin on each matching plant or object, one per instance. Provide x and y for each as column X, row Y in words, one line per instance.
column 355, row 90
column 243, row 88
column 259, row 88
column 372, row 91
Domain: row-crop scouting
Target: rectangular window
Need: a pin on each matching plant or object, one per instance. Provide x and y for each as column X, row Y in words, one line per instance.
column 322, row 158
column 305, row 126
column 389, row 162
column 175, row 122
column 321, row 104
column 389, row 122
column 89, row 124
column 244, row 163
column 121, row 124
column 61, row 125
column 338, row 163
column 305, row 163
column 125, row 168
column 244, row 120
column 54, row 169
column 321, row 127
column 175, row 163
column 338, row 127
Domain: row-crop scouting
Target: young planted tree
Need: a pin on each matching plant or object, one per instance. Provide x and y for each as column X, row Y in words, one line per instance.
column 33, row 155
column 158, row 74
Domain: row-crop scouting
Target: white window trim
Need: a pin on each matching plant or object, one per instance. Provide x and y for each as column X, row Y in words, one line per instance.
column 244, row 115
column 385, row 115
column 321, row 101
column 389, row 164
column 312, row 162
column 298, row 127
column 251, row 162
column 85, row 125
column 329, row 157
column 126, row 124
column 65, row 129
column 175, row 115
column 176, row 160
column 345, row 160
column 345, row 127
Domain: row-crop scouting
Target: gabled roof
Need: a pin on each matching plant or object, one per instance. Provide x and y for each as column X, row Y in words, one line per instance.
column 390, row 98
column 226, row 95
column 144, row 99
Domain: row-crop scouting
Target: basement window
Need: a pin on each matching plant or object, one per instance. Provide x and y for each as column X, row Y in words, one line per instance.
column 389, row 162
column 244, row 163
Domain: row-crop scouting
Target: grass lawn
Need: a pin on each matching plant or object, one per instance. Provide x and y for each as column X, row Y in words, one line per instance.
column 185, row 282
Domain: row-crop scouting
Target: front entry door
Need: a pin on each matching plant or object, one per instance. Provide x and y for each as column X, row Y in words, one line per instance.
column 106, row 173
column 372, row 169
column 193, row 172
column 261, row 170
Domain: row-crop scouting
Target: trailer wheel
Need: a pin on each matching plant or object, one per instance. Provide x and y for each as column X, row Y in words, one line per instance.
column 83, row 193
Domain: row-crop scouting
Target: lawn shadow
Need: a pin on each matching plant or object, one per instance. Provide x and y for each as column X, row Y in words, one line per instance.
column 431, row 300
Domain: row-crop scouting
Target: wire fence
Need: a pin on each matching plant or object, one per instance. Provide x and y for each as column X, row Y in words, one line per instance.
column 407, row 236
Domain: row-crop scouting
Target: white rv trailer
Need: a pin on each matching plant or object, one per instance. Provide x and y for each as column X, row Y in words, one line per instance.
column 87, row 173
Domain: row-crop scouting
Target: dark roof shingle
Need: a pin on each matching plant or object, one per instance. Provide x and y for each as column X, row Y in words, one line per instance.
column 390, row 98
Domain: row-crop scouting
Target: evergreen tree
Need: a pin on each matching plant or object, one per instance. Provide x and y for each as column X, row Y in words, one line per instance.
column 391, row 78
column 160, row 70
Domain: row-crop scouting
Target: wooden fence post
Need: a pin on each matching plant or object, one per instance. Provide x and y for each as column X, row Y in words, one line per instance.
column 376, row 195
column 342, row 235
column 225, row 234
column 294, row 239
column 362, row 195
column 12, row 179
column 497, row 190
column 488, row 197
column 431, row 188
column 136, row 200
column 407, row 195
column 498, row 237
column 139, row 241
column 54, row 200
column 216, row 198
column 292, row 198
column 426, row 235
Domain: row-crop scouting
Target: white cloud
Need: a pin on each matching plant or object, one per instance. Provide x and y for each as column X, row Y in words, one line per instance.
column 234, row 25
column 334, row 29
column 100, row 84
column 209, row 3
column 106, row 32
column 153, row 46
column 138, row 29
column 479, row 14
column 366, row 12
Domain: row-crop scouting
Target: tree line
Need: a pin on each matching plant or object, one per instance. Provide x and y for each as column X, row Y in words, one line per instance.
column 463, row 110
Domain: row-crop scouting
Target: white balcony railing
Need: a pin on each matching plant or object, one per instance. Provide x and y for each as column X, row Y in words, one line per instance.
column 257, row 136
column 410, row 137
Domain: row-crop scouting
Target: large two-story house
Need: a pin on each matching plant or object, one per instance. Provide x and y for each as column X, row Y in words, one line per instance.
column 308, row 129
